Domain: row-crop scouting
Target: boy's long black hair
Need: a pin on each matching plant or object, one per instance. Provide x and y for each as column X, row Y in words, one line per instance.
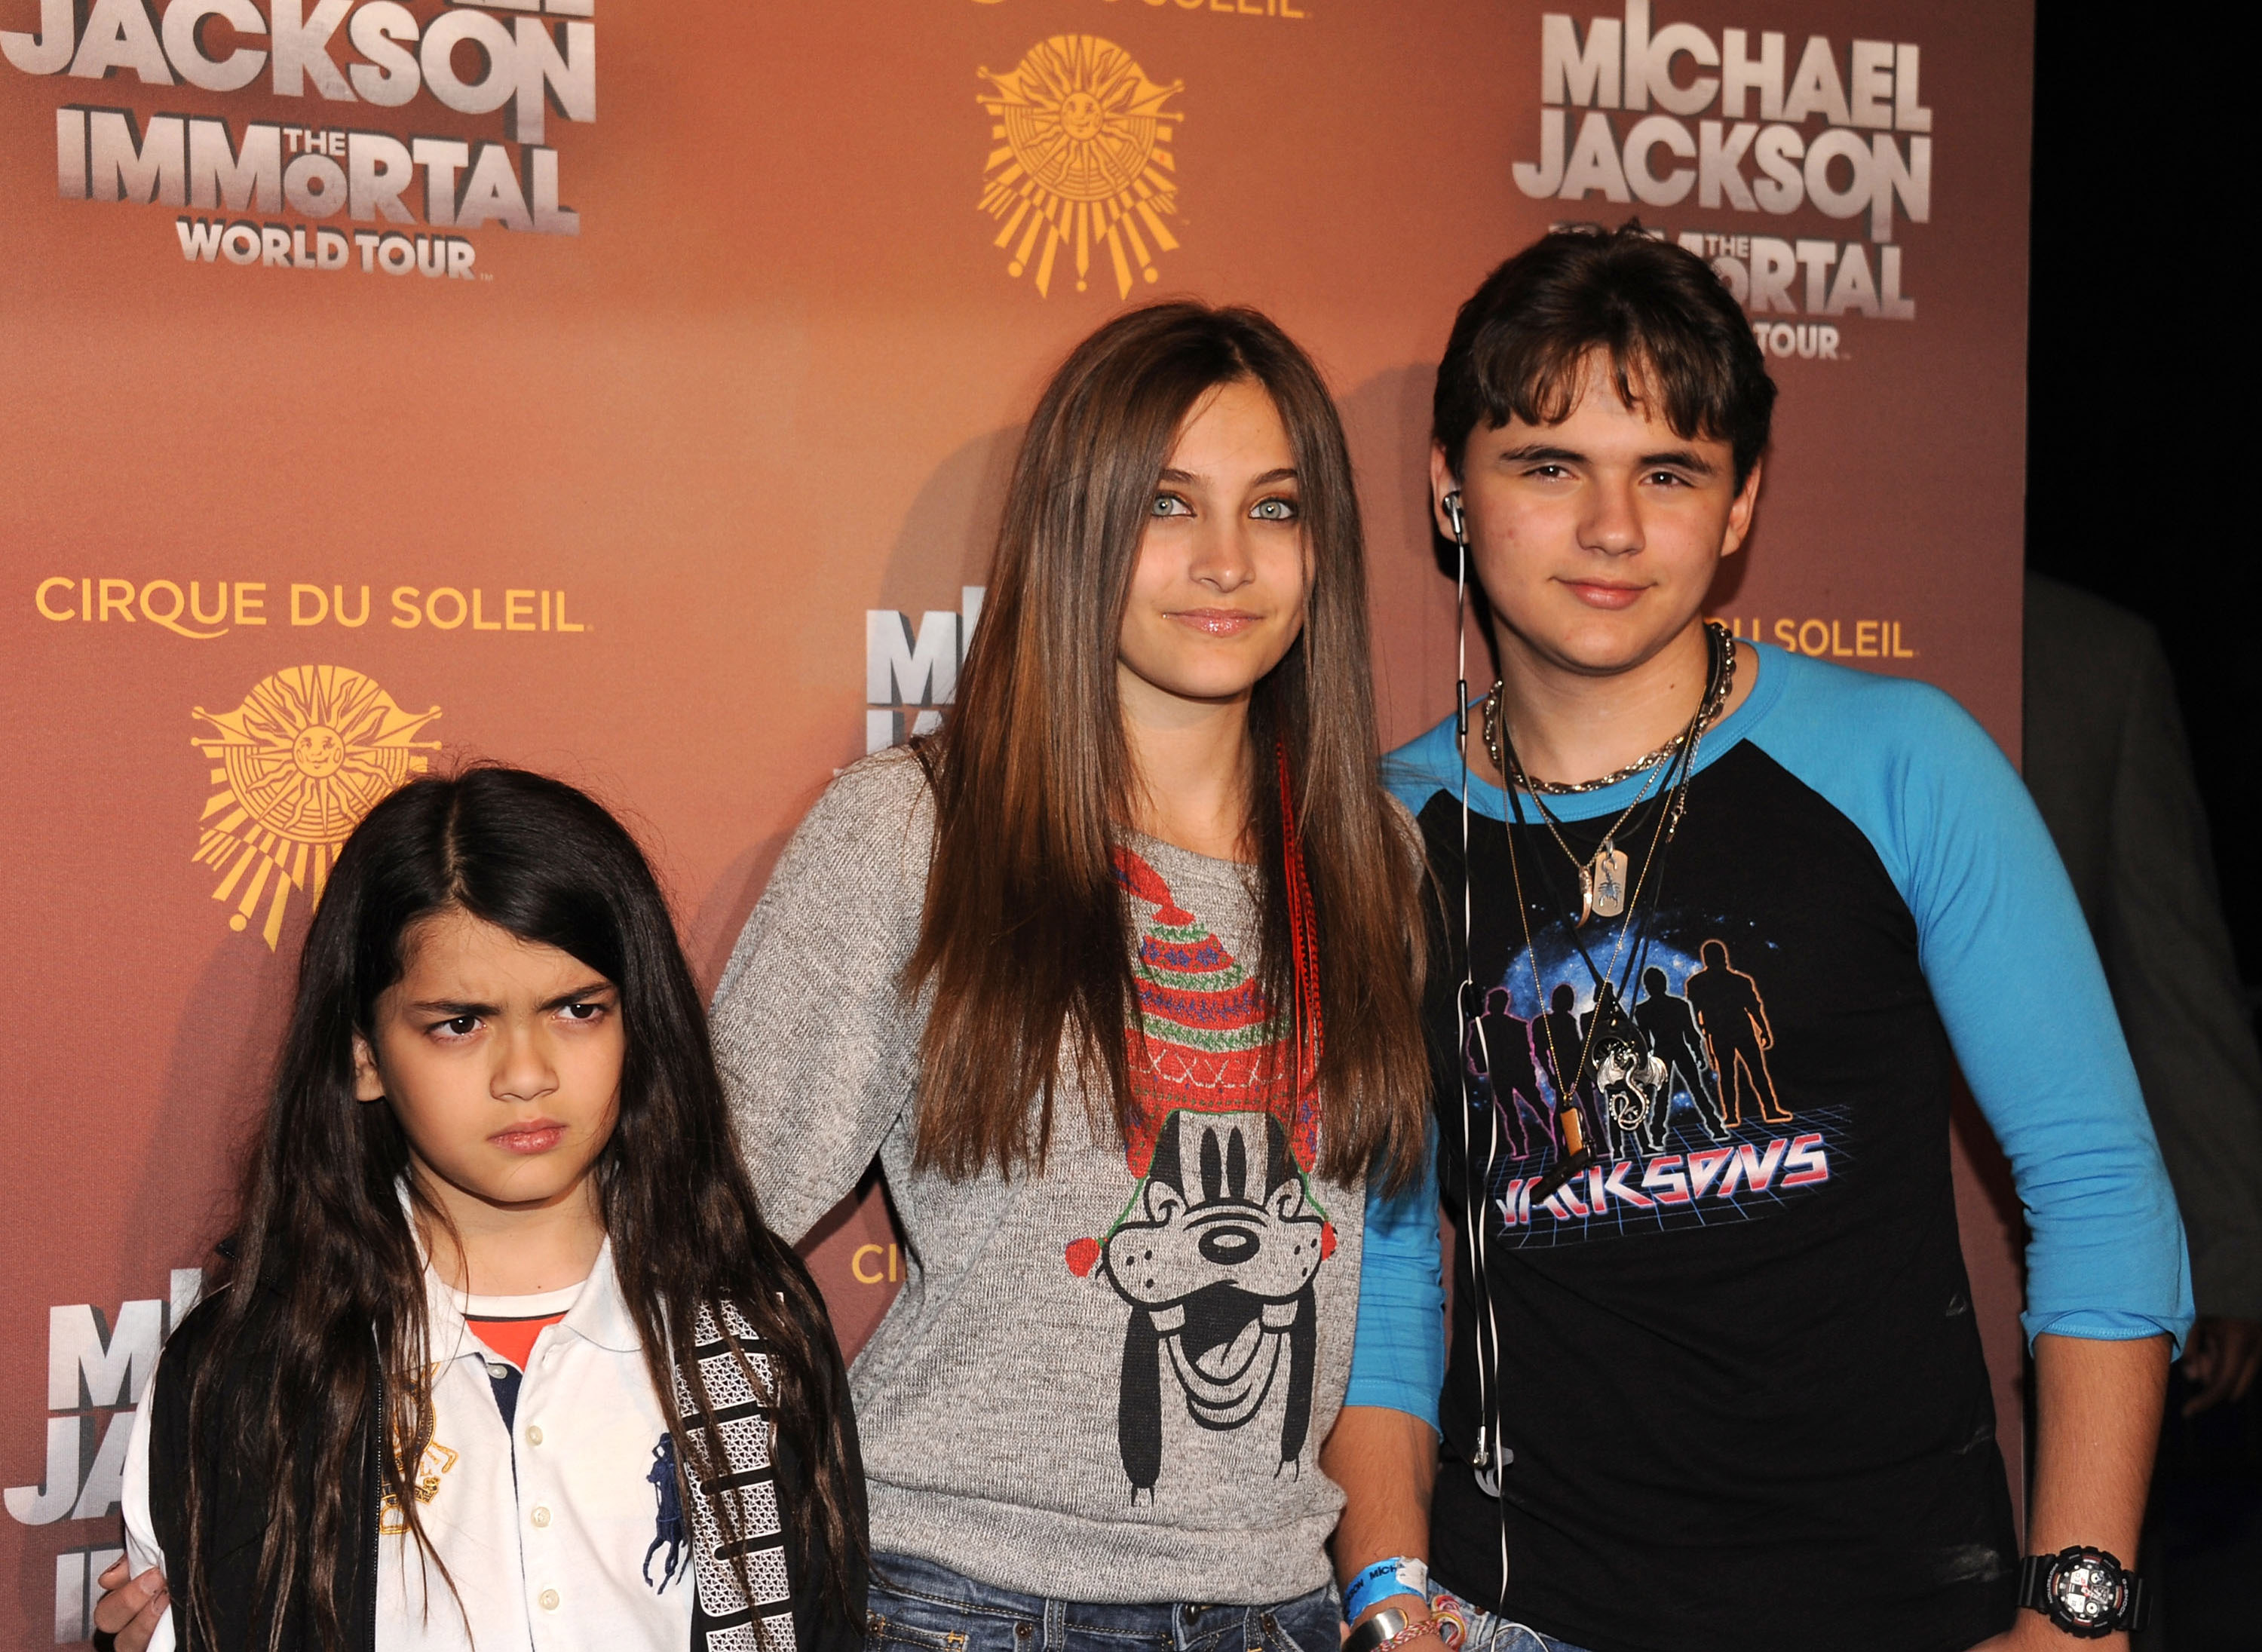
column 324, row 1251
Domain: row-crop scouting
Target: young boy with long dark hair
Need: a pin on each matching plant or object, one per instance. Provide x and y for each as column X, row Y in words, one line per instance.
column 505, row 1354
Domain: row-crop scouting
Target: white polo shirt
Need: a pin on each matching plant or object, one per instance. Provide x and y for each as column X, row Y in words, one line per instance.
column 550, row 1527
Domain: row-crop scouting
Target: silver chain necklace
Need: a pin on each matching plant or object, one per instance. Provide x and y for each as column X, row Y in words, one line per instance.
column 1706, row 713
column 1603, row 879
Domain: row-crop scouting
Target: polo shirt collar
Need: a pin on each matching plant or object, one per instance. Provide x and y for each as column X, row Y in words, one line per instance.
column 600, row 1316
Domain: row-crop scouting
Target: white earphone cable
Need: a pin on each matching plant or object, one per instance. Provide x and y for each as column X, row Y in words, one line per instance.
column 1491, row 1456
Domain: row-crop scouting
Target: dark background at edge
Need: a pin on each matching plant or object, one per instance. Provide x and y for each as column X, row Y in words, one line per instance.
column 2133, row 492
column 2133, row 485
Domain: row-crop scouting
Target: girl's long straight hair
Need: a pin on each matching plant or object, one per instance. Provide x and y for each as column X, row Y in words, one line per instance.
column 1024, row 949
column 328, row 1281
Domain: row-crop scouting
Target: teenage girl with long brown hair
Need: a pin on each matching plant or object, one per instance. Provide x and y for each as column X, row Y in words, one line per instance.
column 1118, row 978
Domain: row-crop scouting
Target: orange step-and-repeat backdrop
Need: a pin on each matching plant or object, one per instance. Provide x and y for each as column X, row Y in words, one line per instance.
column 627, row 391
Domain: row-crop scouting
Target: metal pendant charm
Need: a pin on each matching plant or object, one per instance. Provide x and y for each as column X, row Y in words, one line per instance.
column 1604, row 880
column 1586, row 897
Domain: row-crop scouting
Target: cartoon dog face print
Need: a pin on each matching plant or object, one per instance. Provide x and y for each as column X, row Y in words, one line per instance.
column 1223, row 1206
column 1217, row 1260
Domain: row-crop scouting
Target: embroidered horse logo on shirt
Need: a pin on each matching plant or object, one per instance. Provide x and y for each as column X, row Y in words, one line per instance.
column 667, row 1522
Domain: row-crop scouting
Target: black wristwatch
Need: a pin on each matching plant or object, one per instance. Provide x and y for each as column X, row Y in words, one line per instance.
column 2084, row 1591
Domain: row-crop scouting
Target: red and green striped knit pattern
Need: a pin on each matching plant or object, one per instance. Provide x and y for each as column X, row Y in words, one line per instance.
column 1207, row 1038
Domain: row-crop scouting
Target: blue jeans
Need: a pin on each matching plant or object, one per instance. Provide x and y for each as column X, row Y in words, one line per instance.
column 1466, row 1629
column 919, row 1606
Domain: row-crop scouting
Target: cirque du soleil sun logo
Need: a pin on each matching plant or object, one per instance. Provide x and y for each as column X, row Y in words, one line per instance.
column 1082, row 163
column 294, row 769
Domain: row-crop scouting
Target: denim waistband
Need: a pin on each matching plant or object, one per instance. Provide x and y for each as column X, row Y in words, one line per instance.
column 920, row 1606
column 1463, row 1627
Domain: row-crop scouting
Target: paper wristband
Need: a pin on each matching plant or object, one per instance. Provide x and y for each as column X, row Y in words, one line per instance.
column 1400, row 1575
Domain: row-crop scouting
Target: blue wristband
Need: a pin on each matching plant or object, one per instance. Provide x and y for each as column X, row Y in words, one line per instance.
column 1400, row 1575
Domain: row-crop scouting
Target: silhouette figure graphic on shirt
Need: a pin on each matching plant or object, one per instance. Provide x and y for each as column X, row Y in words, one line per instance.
column 1556, row 1041
column 1737, row 1036
column 1630, row 1082
column 1671, row 1026
column 1500, row 1052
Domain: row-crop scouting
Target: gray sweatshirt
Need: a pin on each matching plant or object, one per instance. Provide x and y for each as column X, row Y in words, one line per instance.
column 1109, row 1383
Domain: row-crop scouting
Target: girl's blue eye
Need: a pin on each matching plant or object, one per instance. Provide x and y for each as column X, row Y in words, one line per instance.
column 1274, row 510
column 1171, row 505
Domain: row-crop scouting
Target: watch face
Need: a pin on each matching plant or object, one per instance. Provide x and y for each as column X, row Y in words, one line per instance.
column 2087, row 1590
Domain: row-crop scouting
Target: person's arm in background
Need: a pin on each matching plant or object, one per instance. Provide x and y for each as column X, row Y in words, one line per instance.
column 2168, row 957
column 1383, row 1449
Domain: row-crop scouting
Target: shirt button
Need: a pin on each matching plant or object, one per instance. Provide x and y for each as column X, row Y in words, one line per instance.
column 549, row 1598
column 534, row 1434
column 540, row 1516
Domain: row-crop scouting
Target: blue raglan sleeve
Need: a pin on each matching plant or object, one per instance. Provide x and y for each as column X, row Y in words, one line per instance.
column 2016, row 978
column 1397, row 1356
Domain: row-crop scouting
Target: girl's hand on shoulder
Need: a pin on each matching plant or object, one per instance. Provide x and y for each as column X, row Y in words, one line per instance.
column 130, row 1610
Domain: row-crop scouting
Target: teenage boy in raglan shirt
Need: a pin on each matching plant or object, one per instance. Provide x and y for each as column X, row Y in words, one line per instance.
column 1720, row 1385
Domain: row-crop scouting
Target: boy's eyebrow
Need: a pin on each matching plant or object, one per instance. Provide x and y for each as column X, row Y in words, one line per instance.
column 451, row 1007
column 1542, row 453
column 596, row 987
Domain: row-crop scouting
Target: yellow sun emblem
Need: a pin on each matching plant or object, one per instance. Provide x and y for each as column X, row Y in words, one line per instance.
column 299, row 762
column 1083, row 160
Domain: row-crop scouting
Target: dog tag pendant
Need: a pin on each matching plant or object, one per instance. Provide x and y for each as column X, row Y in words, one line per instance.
column 1605, row 880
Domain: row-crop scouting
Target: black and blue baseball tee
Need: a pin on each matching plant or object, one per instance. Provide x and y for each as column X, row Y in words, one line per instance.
column 1737, row 1362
